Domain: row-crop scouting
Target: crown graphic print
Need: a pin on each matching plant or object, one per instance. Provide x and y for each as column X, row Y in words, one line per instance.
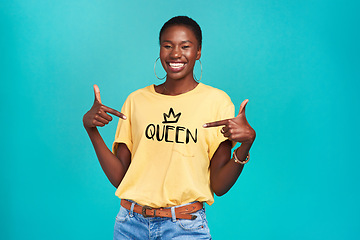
column 171, row 117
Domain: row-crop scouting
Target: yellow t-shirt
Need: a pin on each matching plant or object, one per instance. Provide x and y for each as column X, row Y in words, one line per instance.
column 170, row 149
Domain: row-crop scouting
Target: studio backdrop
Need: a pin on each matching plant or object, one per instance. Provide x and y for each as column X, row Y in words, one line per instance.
column 296, row 61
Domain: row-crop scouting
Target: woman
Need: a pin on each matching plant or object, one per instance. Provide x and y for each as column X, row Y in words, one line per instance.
column 172, row 147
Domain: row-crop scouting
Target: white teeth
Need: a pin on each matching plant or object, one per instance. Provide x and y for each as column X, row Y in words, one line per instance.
column 176, row 65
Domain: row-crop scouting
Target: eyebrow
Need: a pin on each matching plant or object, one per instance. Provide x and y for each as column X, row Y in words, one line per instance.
column 187, row 41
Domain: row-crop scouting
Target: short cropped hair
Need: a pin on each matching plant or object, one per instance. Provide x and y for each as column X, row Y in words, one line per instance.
column 183, row 21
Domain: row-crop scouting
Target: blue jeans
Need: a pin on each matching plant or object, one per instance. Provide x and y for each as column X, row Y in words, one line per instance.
column 131, row 225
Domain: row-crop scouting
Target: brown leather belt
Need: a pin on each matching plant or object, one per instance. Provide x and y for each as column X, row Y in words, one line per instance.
column 180, row 212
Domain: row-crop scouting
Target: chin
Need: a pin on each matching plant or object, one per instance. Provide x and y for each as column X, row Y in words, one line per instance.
column 178, row 77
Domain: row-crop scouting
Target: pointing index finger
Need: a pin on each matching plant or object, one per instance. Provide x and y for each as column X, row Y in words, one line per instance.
column 216, row 123
column 114, row 112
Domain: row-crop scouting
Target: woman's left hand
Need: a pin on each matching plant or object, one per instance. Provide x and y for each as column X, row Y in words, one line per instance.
column 236, row 129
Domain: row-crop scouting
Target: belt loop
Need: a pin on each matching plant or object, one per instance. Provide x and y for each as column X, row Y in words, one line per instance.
column 132, row 209
column 173, row 215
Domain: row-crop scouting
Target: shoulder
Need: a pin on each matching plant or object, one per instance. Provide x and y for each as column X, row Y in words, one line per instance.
column 141, row 92
column 216, row 93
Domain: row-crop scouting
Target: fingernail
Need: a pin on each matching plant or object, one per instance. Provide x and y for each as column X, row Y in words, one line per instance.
column 124, row 117
column 205, row 125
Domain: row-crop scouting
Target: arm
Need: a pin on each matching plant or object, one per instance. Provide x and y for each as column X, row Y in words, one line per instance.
column 114, row 167
column 225, row 172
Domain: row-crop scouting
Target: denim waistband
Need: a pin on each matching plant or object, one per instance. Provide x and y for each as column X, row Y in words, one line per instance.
column 173, row 214
column 165, row 207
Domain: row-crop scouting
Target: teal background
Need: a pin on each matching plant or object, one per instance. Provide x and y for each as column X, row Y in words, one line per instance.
column 297, row 62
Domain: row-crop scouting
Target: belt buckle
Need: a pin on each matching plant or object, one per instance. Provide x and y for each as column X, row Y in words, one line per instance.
column 143, row 212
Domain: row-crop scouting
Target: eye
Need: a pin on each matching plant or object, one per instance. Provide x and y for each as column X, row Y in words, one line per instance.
column 167, row 46
column 185, row 47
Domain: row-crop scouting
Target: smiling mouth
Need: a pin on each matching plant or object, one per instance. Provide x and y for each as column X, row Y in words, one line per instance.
column 175, row 67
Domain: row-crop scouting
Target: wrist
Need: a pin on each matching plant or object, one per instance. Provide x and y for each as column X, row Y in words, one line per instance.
column 90, row 129
column 236, row 158
column 246, row 145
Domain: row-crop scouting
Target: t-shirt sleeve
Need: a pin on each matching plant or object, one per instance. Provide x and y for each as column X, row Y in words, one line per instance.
column 123, row 130
column 224, row 112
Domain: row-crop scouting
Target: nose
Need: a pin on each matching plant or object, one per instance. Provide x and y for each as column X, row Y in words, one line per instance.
column 175, row 53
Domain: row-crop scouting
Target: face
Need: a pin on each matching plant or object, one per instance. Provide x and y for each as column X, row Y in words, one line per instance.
column 179, row 50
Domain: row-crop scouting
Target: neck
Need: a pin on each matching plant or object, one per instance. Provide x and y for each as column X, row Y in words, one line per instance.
column 176, row 87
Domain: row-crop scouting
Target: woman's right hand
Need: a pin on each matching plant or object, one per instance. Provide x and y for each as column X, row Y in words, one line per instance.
column 98, row 115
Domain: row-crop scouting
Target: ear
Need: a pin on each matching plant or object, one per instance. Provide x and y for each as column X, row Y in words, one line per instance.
column 198, row 54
